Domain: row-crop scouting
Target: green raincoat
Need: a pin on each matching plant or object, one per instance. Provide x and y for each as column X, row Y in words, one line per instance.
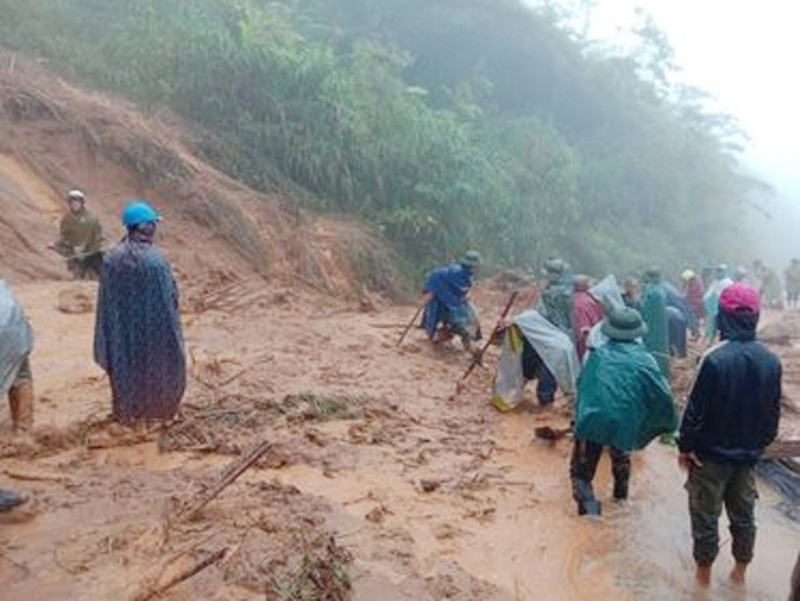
column 654, row 313
column 623, row 401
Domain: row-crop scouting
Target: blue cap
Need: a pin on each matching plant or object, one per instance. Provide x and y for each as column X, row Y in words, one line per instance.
column 139, row 212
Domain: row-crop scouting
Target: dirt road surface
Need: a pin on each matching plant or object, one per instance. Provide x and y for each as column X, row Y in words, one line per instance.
column 381, row 478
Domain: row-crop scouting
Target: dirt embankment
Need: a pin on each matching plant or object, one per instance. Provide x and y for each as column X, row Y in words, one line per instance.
column 55, row 136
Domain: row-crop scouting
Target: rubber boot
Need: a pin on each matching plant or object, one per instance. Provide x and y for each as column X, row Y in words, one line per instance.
column 9, row 500
column 587, row 503
column 620, row 489
column 20, row 399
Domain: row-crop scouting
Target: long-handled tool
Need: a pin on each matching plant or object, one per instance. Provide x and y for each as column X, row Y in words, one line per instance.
column 410, row 324
column 479, row 356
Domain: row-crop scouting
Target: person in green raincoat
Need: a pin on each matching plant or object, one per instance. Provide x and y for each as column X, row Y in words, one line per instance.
column 654, row 313
column 623, row 403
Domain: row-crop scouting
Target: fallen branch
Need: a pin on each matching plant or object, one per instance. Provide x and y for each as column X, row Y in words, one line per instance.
column 185, row 575
column 232, row 472
column 34, row 477
column 782, row 449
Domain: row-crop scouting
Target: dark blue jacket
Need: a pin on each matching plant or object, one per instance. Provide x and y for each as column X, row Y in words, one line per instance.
column 449, row 286
column 734, row 406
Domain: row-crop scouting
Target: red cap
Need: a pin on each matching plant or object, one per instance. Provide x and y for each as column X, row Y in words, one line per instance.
column 739, row 297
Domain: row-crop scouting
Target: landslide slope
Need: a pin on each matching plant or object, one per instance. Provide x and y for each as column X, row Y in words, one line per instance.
column 55, row 136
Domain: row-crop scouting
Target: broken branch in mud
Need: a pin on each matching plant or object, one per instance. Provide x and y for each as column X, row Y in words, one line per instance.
column 185, row 575
column 232, row 472
column 479, row 357
column 782, row 449
column 35, row 477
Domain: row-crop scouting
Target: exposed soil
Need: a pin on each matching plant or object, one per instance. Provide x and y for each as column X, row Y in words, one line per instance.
column 384, row 479
column 382, row 482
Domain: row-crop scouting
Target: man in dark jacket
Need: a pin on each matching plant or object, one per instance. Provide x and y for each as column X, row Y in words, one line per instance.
column 556, row 307
column 731, row 416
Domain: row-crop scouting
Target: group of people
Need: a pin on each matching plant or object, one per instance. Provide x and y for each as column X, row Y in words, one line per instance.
column 138, row 338
column 608, row 348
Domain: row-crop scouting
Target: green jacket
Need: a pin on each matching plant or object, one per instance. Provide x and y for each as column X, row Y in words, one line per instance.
column 81, row 234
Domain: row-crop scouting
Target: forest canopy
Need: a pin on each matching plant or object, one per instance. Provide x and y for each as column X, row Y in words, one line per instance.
column 446, row 124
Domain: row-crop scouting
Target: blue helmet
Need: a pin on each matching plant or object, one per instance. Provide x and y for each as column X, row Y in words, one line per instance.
column 139, row 212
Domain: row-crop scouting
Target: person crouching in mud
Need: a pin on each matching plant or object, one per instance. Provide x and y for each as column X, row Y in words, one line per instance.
column 623, row 402
column 445, row 295
column 138, row 337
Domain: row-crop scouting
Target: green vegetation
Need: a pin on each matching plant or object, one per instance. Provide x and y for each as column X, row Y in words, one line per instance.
column 446, row 123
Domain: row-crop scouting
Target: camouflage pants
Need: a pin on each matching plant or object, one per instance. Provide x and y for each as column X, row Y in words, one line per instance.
column 711, row 486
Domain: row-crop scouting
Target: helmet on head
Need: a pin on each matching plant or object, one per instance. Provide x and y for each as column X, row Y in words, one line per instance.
column 687, row 275
column 139, row 212
column 555, row 266
column 75, row 195
column 471, row 258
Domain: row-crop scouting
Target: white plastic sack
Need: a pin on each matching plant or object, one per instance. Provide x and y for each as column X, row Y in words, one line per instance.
column 607, row 292
column 553, row 346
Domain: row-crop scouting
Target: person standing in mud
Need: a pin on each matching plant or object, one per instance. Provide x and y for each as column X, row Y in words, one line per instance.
column 693, row 290
column 623, row 403
column 586, row 312
column 731, row 416
column 138, row 337
column 791, row 277
column 556, row 307
column 654, row 312
column 16, row 345
column 81, row 239
column 445, row 296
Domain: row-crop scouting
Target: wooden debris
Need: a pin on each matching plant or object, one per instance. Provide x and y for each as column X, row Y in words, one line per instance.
column 185, row 575
column 231, row 473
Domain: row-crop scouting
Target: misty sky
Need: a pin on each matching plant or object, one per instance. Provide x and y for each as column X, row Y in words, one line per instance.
column 744, row 54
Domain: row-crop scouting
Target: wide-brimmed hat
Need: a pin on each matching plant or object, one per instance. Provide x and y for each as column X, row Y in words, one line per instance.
column 624, row 324
column 653, row 274
column 555, row 265
column 471, row 258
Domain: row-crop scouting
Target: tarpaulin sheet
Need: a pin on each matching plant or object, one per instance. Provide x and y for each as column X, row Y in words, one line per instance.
column 553, row 346
column 16, row 337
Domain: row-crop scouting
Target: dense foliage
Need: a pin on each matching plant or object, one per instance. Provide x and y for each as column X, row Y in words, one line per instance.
column 447, row 123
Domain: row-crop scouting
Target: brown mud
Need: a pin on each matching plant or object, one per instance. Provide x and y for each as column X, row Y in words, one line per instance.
column 382, row 482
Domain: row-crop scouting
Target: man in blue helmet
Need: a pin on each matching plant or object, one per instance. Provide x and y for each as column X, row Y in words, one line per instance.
column 138, row 338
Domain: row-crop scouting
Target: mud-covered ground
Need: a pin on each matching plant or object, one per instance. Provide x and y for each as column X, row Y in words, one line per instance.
column 382, row 483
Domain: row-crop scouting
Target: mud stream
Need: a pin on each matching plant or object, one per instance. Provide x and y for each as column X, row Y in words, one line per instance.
column 434, row 494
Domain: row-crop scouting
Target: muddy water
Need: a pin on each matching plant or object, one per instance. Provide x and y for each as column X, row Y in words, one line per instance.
column 528, row 540
column 500, row 510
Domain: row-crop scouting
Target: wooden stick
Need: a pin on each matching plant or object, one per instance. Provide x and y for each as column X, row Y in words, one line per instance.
column 232, row 472
column 478, row 359
column 410, row 324
column 782, row 449
column 185, row 575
